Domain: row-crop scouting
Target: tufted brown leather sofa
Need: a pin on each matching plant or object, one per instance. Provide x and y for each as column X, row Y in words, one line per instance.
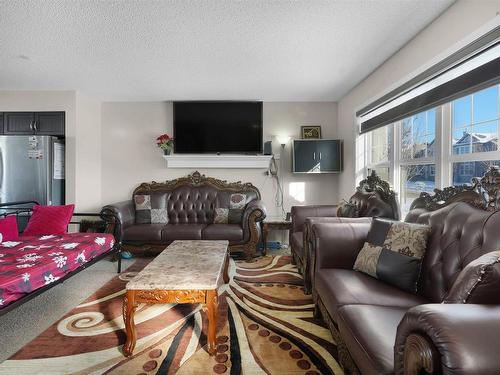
column 380, row 329
column 190, row 203
column 373, row 198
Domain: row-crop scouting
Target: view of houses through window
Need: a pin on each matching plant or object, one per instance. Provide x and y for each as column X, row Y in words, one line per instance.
column 439, row 147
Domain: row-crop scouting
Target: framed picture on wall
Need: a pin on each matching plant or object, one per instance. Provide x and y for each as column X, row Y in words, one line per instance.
column 311, row 132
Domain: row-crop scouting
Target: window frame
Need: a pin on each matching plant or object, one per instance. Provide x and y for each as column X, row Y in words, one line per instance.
column 443, row 157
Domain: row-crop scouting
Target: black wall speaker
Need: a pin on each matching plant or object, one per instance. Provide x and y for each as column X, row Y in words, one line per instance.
column 268, row 148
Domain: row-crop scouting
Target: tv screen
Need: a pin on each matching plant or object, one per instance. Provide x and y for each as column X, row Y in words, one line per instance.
column 217, row 127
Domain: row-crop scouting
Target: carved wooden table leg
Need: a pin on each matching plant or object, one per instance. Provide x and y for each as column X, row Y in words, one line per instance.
column 212, row 311
column 225, row 275
column 129, row 307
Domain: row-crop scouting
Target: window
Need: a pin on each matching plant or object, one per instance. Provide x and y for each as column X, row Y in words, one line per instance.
column 432, row 170
column 475, row 122
column 463, row 172
column 461, row 135
column 416, row 157
column 380, row 145
column 418, row 135
column 414, row 180
column 380, row 151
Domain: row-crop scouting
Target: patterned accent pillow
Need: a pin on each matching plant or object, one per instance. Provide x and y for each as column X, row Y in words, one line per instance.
column 147, row 213
column 142, row 208
column 142, row 202
column 233, row 214
column 395, row 258
column 237, row 203
column 159, row 216
column 221, row 216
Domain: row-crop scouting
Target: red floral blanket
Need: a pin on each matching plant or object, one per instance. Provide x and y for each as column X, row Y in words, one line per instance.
column 33, row 262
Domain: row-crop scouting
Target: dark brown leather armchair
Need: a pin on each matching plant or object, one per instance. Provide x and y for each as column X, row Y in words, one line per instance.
column 452, row 324
column 373, row 198
column 189, row 204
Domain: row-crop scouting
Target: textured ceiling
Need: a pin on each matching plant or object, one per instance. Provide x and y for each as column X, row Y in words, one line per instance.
column 160, row 50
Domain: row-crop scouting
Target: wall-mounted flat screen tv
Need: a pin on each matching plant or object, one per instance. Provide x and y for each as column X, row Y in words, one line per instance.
column 202, row 127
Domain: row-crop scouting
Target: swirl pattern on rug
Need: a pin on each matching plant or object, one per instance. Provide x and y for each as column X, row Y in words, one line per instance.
column 265, row 326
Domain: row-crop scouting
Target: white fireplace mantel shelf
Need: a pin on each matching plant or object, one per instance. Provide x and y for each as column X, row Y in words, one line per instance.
column 218, row 161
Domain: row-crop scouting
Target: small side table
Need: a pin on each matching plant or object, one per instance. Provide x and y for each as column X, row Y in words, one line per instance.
column 273, row 223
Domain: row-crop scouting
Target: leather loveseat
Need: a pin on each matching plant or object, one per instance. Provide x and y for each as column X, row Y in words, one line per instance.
column 451, row 325
column 189, row 208
column 373, row 197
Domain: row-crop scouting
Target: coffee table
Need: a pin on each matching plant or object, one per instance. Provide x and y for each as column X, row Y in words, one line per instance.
column 185, row 272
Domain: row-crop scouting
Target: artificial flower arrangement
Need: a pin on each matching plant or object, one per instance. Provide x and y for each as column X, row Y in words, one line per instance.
column 165, row 142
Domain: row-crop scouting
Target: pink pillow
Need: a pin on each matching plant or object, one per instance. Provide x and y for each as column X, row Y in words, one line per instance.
column 49, row 220
column 8, row 228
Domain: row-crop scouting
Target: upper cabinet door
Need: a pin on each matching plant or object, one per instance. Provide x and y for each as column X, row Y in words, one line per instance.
column 18, row 122
column 49, row 123
column 330, row 155
column 305, row 157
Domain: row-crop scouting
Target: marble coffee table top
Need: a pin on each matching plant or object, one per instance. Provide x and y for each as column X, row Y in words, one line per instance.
column 184, row 265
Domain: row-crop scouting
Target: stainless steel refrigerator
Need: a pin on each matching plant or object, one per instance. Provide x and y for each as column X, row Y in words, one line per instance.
column 32, row 168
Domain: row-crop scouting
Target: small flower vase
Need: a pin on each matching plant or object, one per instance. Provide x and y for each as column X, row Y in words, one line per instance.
column 167, row 152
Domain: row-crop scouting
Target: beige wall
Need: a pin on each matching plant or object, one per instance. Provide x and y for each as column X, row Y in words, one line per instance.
column 129, row 154
column 460, row 20
column 110, row 147
column 88, row 153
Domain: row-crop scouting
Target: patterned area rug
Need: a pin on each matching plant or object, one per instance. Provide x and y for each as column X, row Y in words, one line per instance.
column 266, row 326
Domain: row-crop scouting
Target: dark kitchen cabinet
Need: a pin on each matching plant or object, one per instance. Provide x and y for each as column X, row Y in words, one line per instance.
column 18, row 123
column 49, row 123
column 317, row 156
column 36, row 123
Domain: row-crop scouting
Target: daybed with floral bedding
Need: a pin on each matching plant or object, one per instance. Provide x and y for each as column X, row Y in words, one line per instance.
column 29, row 265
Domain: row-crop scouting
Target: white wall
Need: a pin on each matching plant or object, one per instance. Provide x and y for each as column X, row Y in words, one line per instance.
column 130, row 156
column 461, row 19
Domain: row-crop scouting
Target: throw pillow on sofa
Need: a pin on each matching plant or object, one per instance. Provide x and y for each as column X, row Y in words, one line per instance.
column 394, row 253
column 233, row 214
column 150, row 209
column 49, row 220
column 8, row 229
column 478, row 282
